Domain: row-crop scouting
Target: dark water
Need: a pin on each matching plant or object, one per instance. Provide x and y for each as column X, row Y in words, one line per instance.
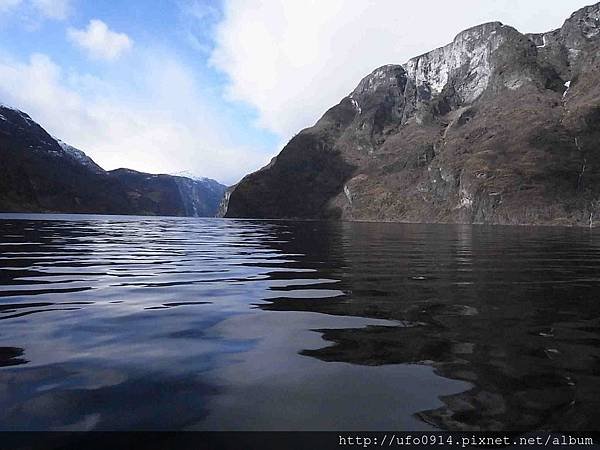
column 138, row 323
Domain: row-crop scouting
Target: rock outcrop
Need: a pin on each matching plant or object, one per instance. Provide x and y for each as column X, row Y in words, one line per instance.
column 495, row 127
column 39, row 173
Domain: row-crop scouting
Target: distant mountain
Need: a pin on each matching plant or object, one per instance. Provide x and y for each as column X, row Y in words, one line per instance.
column 495, row 127
column 39, row 173
column 208, row 183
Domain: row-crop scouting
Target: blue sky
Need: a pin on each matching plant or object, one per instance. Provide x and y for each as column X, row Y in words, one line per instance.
column 215, row 87
column 165, row 67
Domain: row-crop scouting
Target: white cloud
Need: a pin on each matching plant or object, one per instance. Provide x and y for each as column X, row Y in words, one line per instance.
column 6, row 5
column 99, row 41
column 293, row 59
column 34, row 10
column 196, row 23
column 53, row 9
column 163, row 128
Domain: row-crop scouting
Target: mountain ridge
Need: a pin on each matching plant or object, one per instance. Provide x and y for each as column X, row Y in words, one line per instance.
column 495, row 127
column 40, row 173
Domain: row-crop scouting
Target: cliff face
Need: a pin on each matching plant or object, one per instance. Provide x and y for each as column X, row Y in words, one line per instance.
column 495, row 127
column 169, row 195
column 41, row 174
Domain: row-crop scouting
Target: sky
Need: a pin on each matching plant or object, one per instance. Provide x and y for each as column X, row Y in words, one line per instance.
column 215, row 88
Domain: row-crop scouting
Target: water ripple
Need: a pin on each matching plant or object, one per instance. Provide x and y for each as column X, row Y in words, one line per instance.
column 172, row 323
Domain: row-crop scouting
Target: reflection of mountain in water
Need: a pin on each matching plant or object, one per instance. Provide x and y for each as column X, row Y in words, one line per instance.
column 11, row 356
column 512, row 311
column 220, row 323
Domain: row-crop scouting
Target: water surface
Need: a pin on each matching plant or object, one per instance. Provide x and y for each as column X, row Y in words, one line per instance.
column 111, row 323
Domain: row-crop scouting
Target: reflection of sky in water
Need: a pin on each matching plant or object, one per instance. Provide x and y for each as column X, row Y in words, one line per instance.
column 137, row 323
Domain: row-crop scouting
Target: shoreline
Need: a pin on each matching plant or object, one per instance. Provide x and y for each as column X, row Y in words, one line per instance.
column 100, row 216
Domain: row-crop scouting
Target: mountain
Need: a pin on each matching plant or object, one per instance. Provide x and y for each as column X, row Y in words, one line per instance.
column 496, row 127
column 39, row 173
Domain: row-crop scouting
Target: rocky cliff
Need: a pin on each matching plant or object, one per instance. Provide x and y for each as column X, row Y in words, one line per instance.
column 495, row 127
column 39, row 173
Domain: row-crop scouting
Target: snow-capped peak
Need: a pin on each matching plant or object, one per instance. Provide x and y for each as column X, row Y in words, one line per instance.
column 20, row 113
column 79, row 156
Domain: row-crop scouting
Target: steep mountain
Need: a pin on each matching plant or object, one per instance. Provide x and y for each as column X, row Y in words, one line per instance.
column 39, row 173
column 169, row 195
column 495, row 127
column 80, row 157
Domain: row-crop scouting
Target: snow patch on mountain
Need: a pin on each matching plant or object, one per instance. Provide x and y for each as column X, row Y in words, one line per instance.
column 79, row 156
column 19, row 113
column 568, row 86
column 211, row 184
